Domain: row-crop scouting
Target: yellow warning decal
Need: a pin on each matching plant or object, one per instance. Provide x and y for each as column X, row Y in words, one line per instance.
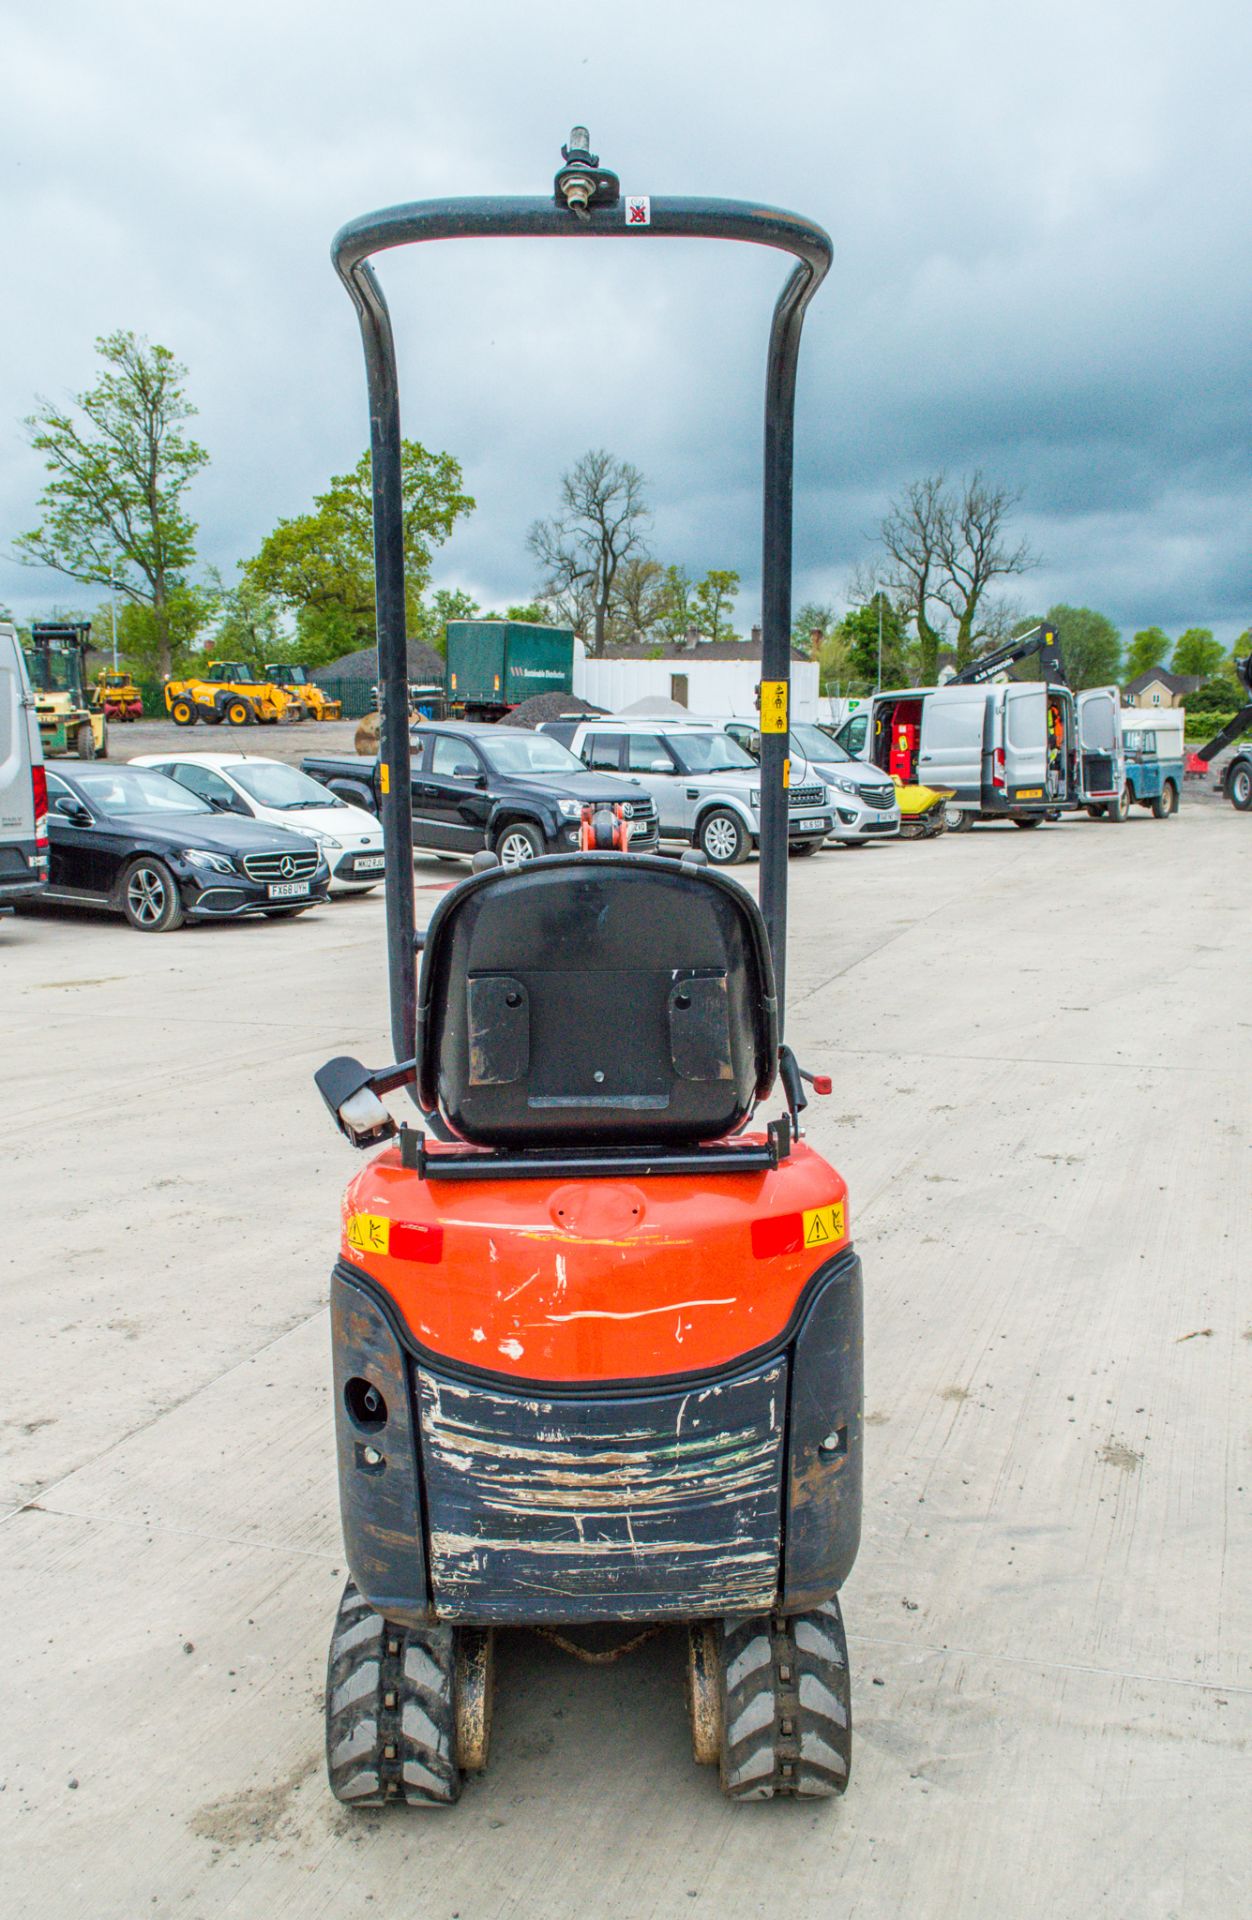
column 824, row 1226
column 384, row 775
column 786, row 773
column 371, row 1232
column 773, row 706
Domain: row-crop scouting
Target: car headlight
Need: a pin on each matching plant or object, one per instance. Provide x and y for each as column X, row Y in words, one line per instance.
column 215, row 862
column 322, row 839
column 570, row 809
column 847, row 786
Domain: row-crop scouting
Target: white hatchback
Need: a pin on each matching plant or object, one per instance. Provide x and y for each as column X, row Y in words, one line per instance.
column 246, row 783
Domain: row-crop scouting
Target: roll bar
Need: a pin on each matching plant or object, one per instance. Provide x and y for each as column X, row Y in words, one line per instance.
column 586, row 205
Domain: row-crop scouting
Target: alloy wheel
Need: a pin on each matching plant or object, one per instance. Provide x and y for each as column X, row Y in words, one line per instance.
column 147, row 896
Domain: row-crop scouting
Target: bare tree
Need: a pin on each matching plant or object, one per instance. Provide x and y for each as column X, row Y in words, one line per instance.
column 944, row 548
column 601, row 524
column 973, row 551
column 638, row 595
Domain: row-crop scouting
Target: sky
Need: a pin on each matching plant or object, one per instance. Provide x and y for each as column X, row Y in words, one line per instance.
column 1040, row 214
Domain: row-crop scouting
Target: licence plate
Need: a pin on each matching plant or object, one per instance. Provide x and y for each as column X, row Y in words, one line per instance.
column 1029, row 793
column 640, row 826
column 287, row 889
column 812, row 825
column 370, row 863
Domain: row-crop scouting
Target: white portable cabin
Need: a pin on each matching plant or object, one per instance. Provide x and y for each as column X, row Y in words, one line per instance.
column 713, row 680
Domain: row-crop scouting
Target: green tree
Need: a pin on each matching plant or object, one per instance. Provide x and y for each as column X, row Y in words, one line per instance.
column 1148, row 648
column 321, row 564
column 859, row 631
column 810, row 618
column 532, row 611
column 249, row 624
column 1196, row 651
column 637, row 598
column 714, row 600
column 676, row 613
column 120, row 465
column 1090, row 644
column 601, row 523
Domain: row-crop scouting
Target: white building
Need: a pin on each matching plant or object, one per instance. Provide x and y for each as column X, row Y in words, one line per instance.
column 713, row 677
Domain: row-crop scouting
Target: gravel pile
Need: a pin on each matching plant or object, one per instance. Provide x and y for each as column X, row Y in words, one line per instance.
column 548, row 706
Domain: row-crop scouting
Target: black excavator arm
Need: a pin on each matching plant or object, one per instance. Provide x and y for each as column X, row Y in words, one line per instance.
column 1041, row 640
column 1240, row 722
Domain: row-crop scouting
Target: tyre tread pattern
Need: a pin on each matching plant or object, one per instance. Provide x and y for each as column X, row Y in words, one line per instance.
column 786, row 1706
column 390, row 1721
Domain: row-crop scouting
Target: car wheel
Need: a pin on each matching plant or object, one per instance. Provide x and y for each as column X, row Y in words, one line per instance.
column 238, row 713
column 1095, row 813
column 518, row 845
column 85, row 742
column 150, row 898
column 1118, row 809
column 803, row 849
column 1166, row 801
column 957, row 820
column 1240, row 788
column 182, row 713
column 722, row 839
column 1025, row 819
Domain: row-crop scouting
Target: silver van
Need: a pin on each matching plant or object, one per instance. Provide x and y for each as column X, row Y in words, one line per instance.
column 1019, row 750
column 23, row 785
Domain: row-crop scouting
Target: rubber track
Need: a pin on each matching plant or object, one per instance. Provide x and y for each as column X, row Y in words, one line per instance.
column 390, row 1726
column 786, row 1705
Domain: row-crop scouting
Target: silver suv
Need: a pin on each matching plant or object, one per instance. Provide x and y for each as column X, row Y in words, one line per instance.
column 706, row 788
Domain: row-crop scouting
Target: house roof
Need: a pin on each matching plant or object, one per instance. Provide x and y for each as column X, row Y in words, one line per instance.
column 703, row 650
column 1163, row 677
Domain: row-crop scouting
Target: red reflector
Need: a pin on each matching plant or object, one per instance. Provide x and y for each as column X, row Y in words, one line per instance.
column 411, row 1241
column 784, row 1235
column 822, row 1083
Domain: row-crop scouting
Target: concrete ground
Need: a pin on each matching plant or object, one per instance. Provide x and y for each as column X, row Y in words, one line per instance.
column 1042, row 1053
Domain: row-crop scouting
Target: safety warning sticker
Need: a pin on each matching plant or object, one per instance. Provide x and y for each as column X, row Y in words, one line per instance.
column 773, row 706
column 823, row 1226
column 638, row 210
column 370, row 1232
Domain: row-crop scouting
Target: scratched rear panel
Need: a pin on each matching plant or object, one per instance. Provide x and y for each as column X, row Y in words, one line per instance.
column 603, row 1509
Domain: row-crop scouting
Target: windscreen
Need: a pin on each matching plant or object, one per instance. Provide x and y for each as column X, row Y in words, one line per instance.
column 710, row 753
column 816, row 745
column 529, row 753
column 135, row 790
column 52, row 672
column 282, row 787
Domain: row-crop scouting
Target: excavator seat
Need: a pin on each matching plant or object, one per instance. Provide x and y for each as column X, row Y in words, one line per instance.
column 598, row 1000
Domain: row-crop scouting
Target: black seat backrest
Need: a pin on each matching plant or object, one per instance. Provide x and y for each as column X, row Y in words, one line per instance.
column 599, row 1000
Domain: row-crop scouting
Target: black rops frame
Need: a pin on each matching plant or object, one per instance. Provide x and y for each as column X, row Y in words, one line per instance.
column 490, row 218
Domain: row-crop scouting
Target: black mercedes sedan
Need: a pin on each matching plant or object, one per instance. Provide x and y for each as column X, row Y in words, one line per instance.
column 135, row 842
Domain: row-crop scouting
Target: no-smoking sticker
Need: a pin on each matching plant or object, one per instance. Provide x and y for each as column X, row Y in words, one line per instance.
column 638, row 210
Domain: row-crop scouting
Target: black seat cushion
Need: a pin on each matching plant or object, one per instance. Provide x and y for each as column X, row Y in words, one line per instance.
column 599, row 1000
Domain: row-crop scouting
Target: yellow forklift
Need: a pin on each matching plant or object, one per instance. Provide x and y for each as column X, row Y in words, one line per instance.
column 297, row 680
column 67, row 724
column 232, row 691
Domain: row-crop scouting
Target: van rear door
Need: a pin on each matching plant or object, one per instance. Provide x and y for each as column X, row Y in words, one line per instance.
column 1024, row 740
column 23, row 862
column 1101, row 761
column 952, row 743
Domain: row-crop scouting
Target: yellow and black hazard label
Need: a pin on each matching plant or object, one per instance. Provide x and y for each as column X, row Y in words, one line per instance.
column 824, row 1226
column 369, row 1232
column 773, row 706
column 384, row 776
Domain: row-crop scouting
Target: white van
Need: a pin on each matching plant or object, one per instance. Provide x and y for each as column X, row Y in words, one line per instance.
column 23, row 784
column 1020, row 750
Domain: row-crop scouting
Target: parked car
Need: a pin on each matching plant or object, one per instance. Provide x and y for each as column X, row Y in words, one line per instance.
column 23, row 784
column 477, row 786
column 135, row 842
column 866, row 804
column 707, row 789
column 1153, row 746
column 351, row 838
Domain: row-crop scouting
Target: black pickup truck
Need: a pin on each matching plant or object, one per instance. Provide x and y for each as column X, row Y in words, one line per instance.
column 520, row 793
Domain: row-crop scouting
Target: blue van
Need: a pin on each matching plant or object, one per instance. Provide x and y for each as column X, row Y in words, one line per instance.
column 1152, row 744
